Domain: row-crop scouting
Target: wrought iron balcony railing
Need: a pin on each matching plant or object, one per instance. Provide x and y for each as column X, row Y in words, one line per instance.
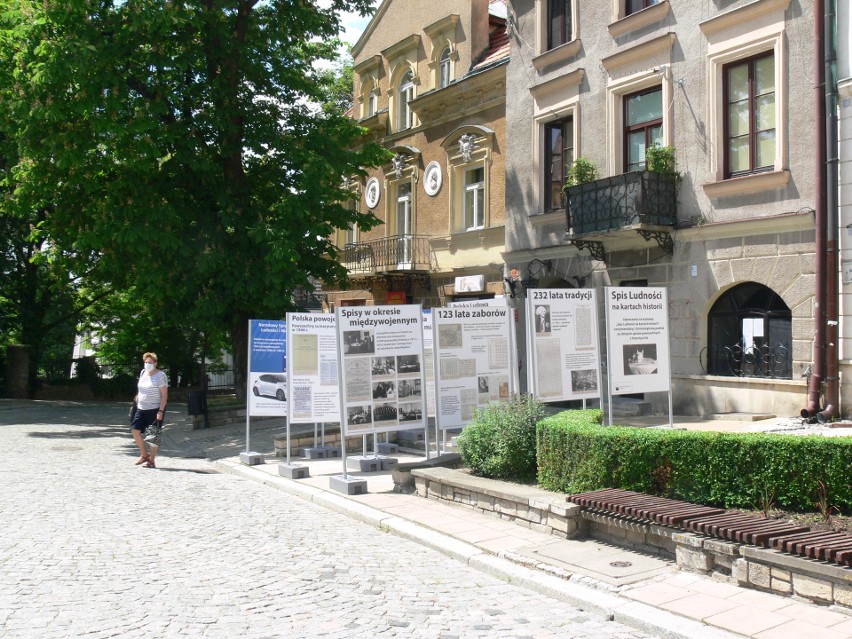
column 774, row 362
column 388, row 254
column 627, row 200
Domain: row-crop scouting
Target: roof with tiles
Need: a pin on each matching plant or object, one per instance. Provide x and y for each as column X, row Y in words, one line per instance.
column 498, row 43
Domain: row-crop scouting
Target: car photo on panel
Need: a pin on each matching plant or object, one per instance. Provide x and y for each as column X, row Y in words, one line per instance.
column 271, row 385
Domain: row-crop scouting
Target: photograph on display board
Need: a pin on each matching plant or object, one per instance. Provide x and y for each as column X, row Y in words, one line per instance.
column 542, row 319
column 640, row 359
column 384, row 366
column 406, row 364
column 273, row 385
column 384, row 390
column 584, row 381
column 358, row 415
column 384, row 414
column 358, row 343
column 410, row 411
column 409, row 388
column 482, row 382
column 450, row 336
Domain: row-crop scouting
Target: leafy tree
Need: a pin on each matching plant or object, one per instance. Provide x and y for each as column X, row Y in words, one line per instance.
column 177, row 142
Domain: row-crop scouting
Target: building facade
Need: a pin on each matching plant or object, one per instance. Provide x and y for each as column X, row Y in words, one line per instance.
column 430, row 86
column 728, row 88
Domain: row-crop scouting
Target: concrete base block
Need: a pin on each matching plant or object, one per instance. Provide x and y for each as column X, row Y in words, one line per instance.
column 388, row 448
column 348, row 485
column 332, row 452
column 364, row 464
column 389, row 463
column 252, row 459
column 293, row 471
column 315, row 452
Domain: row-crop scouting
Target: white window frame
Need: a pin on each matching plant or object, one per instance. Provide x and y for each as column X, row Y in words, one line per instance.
column 445, row 68
column 407, row 203
column 476, row 216
column 404, row 94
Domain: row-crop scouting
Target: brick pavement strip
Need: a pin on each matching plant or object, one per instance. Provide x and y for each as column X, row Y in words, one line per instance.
column 93, row 546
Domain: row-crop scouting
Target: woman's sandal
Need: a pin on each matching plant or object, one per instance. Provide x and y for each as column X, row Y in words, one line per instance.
column 142, row 460
column 150, row 464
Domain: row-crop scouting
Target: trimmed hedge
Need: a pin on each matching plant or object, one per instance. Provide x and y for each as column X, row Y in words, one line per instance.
column 719, row 469
column 500, row 441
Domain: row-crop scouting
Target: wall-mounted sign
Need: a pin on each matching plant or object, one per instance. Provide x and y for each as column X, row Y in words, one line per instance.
column 373, row 192
column 432, row 179
column 470, row 284
column 396, row 297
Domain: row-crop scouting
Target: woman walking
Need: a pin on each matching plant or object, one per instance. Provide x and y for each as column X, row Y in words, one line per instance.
column 152, row 393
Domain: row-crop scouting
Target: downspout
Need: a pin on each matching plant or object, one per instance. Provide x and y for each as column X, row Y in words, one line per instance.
column 820, row 221
column 832, row 378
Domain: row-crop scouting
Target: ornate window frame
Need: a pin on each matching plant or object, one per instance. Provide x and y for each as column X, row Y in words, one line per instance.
column 468, row 147
column 404, row 169
column 402, row 59
column 443, row 37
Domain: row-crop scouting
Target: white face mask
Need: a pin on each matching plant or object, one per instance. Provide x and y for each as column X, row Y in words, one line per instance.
column 149, row 366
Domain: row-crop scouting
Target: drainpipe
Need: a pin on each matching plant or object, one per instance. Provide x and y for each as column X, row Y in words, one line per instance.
column 832, row 378
column 820, row 216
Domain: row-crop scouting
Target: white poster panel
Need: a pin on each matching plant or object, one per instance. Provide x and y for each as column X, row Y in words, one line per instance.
column 429, row 362
column 312, row 368
column 491, row 301
column 474, row 360
column 382, row 372
column 563, row 344
column 267, row 378
column 637, row 322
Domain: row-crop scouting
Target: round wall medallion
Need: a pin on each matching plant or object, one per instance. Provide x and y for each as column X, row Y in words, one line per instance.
column 372, row 192
column 432, row 178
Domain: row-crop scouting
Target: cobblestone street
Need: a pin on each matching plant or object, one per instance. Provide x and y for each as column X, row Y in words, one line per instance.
column 92, row 545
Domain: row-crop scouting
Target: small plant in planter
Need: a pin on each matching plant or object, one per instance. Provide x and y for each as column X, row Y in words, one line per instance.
column 581, row 171
column 661, row 159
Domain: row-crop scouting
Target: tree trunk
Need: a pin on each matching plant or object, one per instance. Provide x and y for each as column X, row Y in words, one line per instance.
column 239, row 348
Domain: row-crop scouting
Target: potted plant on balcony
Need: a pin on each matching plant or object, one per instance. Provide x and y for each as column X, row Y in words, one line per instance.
column 582, row 170
column 661, row 160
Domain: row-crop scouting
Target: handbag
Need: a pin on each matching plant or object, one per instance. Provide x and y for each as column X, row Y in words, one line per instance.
column 153, row 432
column 132, row 411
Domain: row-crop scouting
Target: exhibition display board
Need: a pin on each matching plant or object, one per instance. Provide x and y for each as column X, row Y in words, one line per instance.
column 382, row 368
column 563, row 344
column 267, row 368
column 637, row 322
column 475, row 359
column 314, row 394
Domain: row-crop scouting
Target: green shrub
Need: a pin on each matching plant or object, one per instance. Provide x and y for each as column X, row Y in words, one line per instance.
column 661, row 159
column 500, row 442
column 721, row 469
column 581, row 171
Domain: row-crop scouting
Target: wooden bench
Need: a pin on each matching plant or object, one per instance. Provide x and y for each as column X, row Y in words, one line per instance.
column 716, row 522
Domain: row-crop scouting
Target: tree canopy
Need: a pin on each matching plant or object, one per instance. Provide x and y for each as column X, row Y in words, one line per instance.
column 174, row 147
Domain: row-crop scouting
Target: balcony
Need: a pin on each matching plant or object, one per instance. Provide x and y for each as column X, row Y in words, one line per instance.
column 642, row 202
column 409, row 253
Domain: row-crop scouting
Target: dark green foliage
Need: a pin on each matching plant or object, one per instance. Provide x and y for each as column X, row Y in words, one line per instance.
column 500, row 441
column 721, row 469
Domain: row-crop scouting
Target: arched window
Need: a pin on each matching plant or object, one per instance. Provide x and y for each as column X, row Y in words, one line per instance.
column 750, row 334
column 444, row 68
column 405, row 93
